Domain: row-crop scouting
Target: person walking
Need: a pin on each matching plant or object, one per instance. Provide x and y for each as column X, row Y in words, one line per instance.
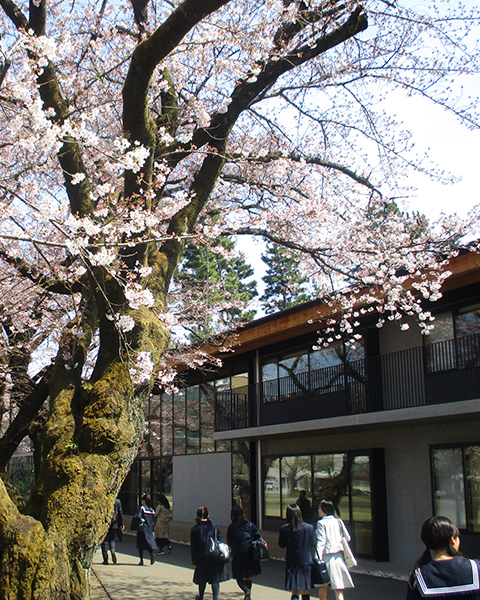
column 116, row 525
column 145, row 539
column 207, row 568
column 305, row 506
column 329, row 548
column 163, row 517
column 240, row 535
column 298, row 538
column 442, row 572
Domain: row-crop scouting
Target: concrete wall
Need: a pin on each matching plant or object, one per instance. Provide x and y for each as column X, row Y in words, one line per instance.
column 202, row 480
column 407, row 454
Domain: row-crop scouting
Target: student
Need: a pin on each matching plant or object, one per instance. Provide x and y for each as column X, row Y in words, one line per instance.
column 298, row 538
column 329, row 533
column 207, row 569
column 442, row 572
column 163, row 517
column 240, row 535
column 145, row 539
column 116, row 525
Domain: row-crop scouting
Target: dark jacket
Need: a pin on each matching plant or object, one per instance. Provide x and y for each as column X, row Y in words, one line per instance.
column 117, row 515
column 240, row 538
column 298, row 544
column 145, row 539
column 455, row 579
column 207, row 569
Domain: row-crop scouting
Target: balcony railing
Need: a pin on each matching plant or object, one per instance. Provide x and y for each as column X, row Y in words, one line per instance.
column 438, row 373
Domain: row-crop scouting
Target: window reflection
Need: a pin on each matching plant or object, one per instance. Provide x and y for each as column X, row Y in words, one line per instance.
column 296, row 475
column 331, row 481
column 343, row 478
column 472, row 476
column 242, row 493
column 448, row 485
column 361, row 504
column 271, row 487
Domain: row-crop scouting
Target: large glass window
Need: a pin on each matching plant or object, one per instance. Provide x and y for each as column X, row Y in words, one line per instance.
column 472, row 483
column 454, row 343
column 456, row 485
column 342, row 478
column 296, row 475
column 271, row 488
column 179, row 425
column 242, row 493
column 467, row 321
column 361, row 504
column 167, row 425
column 290, row 374
column 207, row 412
column 193, row 419
column 331, row 482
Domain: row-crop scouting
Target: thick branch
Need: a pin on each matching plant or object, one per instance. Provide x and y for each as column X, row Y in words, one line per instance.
column 251, row 90
column 149, row 54
column 18, row 429
column 309, row 160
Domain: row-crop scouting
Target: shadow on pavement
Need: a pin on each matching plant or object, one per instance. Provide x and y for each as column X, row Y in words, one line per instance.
column 170, row 578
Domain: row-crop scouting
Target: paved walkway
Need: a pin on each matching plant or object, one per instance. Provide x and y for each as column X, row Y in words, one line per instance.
column 170, row 578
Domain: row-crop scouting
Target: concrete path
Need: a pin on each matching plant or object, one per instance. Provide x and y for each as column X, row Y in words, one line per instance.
column 170, row 578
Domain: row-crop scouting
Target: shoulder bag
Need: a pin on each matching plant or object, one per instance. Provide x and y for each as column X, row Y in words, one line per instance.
column 135, row 524
column 320, row 575
column 260, row 549
column 348, row 556
column 217, row 550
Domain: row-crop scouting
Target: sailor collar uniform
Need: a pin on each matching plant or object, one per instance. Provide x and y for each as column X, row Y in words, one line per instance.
column 446, row 579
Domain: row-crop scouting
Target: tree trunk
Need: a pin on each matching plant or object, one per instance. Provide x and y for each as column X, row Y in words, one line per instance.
column 91, row 439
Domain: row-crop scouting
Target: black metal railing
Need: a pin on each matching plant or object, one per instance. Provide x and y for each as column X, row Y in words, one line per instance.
column 443, row 372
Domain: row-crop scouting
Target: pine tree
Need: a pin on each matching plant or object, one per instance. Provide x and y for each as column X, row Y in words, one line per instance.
column 285, row 284
column 218, row 282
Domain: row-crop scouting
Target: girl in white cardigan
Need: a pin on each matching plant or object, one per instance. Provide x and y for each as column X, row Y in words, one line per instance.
column 329, row 533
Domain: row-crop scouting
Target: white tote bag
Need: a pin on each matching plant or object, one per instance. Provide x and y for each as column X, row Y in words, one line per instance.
column 350, row 560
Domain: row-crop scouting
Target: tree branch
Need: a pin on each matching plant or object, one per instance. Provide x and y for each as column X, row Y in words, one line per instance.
column 28, row 410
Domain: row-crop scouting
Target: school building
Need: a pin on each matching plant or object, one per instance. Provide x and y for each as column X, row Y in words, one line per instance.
column 390, row 430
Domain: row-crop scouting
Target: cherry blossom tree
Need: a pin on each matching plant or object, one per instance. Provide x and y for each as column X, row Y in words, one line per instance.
column 129, row 129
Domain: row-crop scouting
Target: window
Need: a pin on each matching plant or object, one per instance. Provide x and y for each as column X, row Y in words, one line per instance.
column 343, row 478
column 241, row 492
column 290, row 375
column 454, row 343
column 193, row 419
column 456, row 485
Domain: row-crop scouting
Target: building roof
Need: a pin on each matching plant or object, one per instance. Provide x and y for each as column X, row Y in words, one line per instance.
column 307, row 317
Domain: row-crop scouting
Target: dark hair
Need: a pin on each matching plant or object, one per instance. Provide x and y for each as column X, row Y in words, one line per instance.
column 164, row 501
column 437, row 533
column 328, row 507
column 294, row 516
column 203, row 514
column 147, row 500
column 237, row 515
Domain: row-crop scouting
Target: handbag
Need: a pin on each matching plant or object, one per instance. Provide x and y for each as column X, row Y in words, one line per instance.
column 260, row 549
column 320, row 574
column 217, row 550
column 135, row 524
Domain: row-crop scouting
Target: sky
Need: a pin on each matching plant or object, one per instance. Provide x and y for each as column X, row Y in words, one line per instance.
column 448, row 143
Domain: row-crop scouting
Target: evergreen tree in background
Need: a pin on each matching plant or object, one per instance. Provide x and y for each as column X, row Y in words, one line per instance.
column 215, row 280
column 285, row 284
